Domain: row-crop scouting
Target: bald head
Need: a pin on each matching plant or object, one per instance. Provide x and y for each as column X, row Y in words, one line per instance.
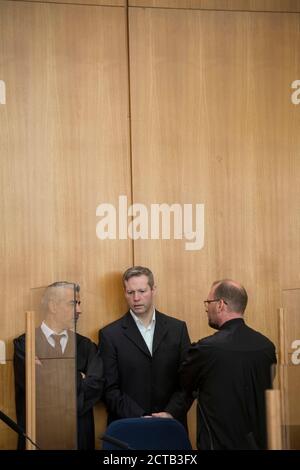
column 233, row 293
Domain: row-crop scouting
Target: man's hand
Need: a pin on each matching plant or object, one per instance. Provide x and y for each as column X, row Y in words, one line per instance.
column 37, row 361
column 162, row 414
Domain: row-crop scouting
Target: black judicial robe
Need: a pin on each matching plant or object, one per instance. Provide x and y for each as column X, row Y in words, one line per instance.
column 229, row 372
column 57, row 380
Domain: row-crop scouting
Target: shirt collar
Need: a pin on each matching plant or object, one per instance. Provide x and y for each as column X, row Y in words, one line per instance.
column 232, row 322
column 139, row 322
column 48, row 332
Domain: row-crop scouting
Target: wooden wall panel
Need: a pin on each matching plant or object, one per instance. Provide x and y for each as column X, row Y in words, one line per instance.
column 213, row 123
column 81, row 2
column 238, row 5
column 64, row 150
column 7, row 435
column 291, row 325
column 289, row 371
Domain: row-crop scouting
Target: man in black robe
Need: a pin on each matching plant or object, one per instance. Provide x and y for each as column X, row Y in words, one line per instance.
column 69, row 374
column 229, row 373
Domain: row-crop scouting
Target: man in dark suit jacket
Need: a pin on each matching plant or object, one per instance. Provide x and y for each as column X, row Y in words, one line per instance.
column 69, row 374
column 229, row 371
column 142, row 352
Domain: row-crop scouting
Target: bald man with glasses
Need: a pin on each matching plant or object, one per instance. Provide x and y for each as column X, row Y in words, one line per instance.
column 229, row 372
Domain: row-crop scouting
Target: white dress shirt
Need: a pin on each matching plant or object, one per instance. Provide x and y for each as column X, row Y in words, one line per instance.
column 147, row 332
column 48, row 332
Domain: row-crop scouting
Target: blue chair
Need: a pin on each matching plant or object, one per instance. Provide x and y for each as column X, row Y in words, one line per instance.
column 146, row 434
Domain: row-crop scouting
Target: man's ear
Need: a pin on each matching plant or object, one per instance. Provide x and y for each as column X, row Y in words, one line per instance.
column 52, row 306
column 154, row 290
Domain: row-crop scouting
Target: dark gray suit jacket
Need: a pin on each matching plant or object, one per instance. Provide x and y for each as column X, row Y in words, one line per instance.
column 136, row 382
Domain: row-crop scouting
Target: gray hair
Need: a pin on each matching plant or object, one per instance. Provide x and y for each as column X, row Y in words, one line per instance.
column 139, row 271
column 52, row 291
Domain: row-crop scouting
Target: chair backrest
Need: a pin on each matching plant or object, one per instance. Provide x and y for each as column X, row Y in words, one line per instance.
column 148, row 434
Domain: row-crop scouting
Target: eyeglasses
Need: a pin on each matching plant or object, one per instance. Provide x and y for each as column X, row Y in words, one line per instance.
column 207, row 302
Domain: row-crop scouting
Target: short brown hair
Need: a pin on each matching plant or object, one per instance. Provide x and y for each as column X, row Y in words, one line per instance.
column 139, row 271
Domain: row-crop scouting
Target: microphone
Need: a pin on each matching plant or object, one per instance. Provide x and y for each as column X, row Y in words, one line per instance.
column 116, row 442
column 15, row 427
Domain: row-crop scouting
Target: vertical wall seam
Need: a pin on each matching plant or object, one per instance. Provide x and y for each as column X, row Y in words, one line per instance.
column 127, row 46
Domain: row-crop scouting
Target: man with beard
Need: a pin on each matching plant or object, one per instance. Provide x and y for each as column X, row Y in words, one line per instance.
column 229, row 373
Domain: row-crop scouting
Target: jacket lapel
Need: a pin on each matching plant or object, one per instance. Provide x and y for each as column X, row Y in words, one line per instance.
column 132, row 332
column 160, row 330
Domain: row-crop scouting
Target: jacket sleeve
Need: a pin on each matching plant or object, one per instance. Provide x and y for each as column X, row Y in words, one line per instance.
column 191, row 369
column 118, row 403
column 180, row 402
column 90, row 380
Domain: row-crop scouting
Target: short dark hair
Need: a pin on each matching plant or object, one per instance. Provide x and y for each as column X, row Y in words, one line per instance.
column 139, row 271
column 233, row 293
